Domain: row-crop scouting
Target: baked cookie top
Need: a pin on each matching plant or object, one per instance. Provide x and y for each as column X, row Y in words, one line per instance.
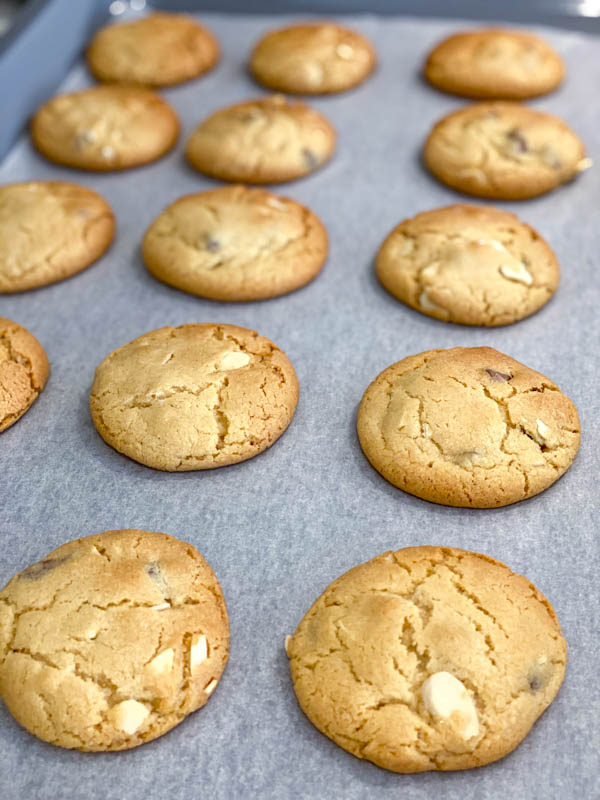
column 158, row 50
column 318, row 58
column 428, row 658
column 503, row 150
column 467, row 427
column 24, row 370
column 468, row 264
column 111, row 640
column 262, row 141
column 50, row 230
column 194, row 397
column 494, row 64
column 235, row 243
column 105, row 128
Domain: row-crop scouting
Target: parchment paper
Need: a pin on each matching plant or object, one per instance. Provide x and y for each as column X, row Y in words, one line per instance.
column 278, row 528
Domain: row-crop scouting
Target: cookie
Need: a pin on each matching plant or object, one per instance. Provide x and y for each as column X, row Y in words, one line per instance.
column 158, row 50
column 49, row 230
column 504, row 151
column 194, row 397
column 494, row 64
column 318, row 58
column 111, row 640
column 428, row 658
column 235, row 243
column 262, row 141
column 24, row 370
column 467, row 427
column 468, row 264
column 105, row 128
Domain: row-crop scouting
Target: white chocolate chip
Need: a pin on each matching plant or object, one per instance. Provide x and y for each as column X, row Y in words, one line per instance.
column 274, row 202
column 128, row 715
column 406, row 247
column 107, row 152
column 428, row 305
column 345, row 51
column 583, row 164
column 493, row 243
column 163, row 662
column 542, row 660
column 430, row 271
column 314, row 73
column 469, row 458
column 448, row 698
column 160, row 607
column 287, row 641
column 543, row 430
column 234, row 360
column 198, row 651
column 517, row 273
column 426, row 430
column 210, row 686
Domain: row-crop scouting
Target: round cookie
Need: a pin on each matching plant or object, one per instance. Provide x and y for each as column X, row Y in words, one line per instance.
column 262, row 141
column 467, row 427
column 105, row 128
column 24, row 370
column 428, row 658
column 494, row 64
column 49, row 231
column 318, row 58
column 504, row 151
column 468, row 264
column 112, row 640
column 158, row 50
column 235, row 243
column 194, row 397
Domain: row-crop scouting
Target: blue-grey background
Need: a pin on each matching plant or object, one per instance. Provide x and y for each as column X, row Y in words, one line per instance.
column 278, row 528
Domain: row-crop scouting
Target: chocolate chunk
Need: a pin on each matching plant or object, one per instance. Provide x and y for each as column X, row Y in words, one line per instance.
column 211, row 244
column 40, row 568
column 310, row 158
column 517, row 138
column 499, row 377
column 535, row 683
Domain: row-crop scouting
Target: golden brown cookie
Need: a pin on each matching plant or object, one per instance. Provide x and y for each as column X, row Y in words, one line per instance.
column 317, row 58
column 262, row 141
column 468, row 264
column 111, row 640
column 158, row 50
column 467, row 427
column 194, row 397
column 494, row 64
column 49, row 230
column 428, row 658
column 105, row 128
column 504, row 151
column 24, row 370
column 235, row 243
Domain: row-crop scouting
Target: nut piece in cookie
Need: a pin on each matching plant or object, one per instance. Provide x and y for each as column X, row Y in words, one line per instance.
column 24, row 370
column 135, row 604
column 461, row 427
column 235, row 244
column 504, row 151
column 494, row 64
column 194, row 397
column 158, row 50
column 468, row 264
column 270, row 140
column 50, row 230
column 105, row 128
column 428, row 658
column 317, row 58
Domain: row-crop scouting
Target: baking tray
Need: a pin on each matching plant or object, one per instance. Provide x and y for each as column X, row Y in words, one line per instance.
column 278, row 528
